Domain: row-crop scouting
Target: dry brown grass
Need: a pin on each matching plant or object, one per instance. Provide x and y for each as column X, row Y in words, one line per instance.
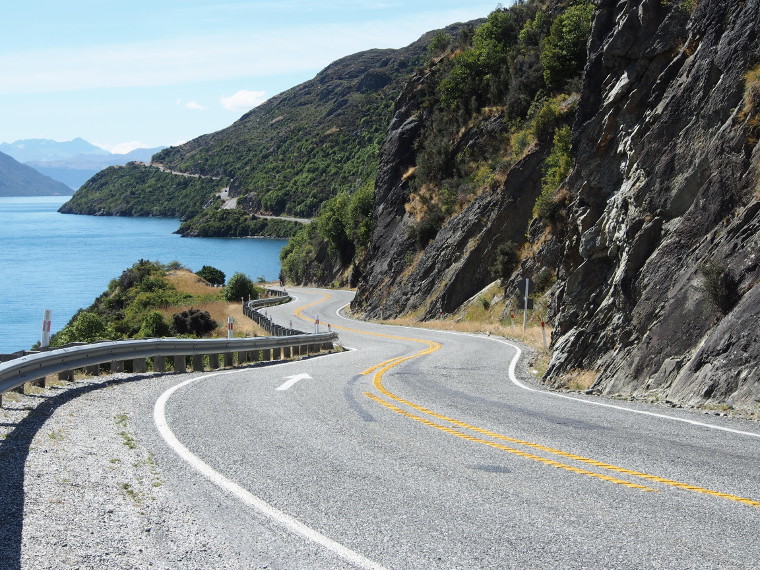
column 578, row 379
column 531, row 336
column 219, row 309
column 188, row 282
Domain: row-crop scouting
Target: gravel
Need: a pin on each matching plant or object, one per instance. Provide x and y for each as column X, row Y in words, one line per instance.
column 78, row 490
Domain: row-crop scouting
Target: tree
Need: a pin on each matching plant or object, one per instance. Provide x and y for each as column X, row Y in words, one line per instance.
column 211, row 274
column 240, row 287
column 564, row 52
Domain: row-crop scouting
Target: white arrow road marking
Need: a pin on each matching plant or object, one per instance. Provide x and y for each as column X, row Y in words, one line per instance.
column 245, row 496
column 293, row 379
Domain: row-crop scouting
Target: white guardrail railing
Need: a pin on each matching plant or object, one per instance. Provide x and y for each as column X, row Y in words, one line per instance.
column 41, row 366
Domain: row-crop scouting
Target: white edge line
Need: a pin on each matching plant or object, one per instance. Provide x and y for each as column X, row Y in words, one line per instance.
column 290, row 523
column 516, row 382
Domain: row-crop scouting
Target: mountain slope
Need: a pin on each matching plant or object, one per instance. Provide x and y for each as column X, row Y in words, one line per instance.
column 27, row 150
column 17, row 179
column 296, row 150
column 653, row 238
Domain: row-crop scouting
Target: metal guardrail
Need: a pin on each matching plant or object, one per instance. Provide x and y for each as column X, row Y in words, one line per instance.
column 17, row 372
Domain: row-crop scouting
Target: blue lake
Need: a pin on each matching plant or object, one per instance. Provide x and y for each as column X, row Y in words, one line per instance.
column 63, row 262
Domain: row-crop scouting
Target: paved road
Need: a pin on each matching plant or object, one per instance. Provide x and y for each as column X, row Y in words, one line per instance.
column 416, row 449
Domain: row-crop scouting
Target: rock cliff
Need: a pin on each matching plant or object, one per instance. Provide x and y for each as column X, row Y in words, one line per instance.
column 658, row 285
column 656, row 248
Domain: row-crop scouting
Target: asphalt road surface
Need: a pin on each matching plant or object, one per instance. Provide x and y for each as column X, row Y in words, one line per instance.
column 427, row 449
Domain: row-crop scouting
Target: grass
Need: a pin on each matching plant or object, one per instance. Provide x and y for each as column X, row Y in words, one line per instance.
column 208, row 298
column 578, row 380
column 483, row 316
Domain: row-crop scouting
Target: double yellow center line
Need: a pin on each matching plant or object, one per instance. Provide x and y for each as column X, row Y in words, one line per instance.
column 430, row 346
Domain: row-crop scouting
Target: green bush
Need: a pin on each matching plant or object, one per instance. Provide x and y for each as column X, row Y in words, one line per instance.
column 211, row 274
column 84, row 327
column 507, row 258
column 558, row 166
column 153, row 326
column 564, row 53
column 722, row 288
column 241, row 286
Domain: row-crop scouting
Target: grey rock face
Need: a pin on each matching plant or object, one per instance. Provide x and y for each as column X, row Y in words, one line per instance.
column 665, row 182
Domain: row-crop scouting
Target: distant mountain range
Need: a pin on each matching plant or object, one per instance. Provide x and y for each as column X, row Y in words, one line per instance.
column 71, row 162
column 18, row 179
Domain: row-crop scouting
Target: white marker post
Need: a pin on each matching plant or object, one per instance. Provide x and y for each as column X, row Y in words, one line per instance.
column 316, row 326
column 230, row 327
column 46, row 321
column 525, row 310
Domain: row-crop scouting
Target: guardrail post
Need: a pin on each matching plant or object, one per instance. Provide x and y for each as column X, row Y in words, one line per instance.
column 139, row 366
column 66, row 376
column 197, row 363
column 229, row 359
column 93, row 370
column 159, row 364
column 286, row 352
column 266, row 354
column 213, row 361
column 180, row 364
column 276, row 352
column 117, row 366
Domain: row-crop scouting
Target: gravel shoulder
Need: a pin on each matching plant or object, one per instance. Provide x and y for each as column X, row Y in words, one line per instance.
column 79, row 490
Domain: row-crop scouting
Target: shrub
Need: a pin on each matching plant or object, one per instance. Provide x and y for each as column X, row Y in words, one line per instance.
column 153, row 326
column 193, row 322
column 84, row 327
column 558, row 166
column 507, row 259
column 721, row 287
column 211, row 274
column 543, row 279
column 564, row 53
column 240, row 287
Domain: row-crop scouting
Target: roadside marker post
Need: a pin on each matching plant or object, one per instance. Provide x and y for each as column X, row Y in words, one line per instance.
column 525, row 309
column 543, row 332
column 512, row 317
column 46, row 322
column 230, row 327
column 316, row 326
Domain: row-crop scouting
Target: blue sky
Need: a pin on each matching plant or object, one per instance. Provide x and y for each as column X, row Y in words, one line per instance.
column 123, row 74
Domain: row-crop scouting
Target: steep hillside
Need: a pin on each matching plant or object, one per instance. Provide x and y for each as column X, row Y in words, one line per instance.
column 652, row 239
column 296, row 150
column 286, row 156
column 465, row 159
column 17, row 179
column 658, row 283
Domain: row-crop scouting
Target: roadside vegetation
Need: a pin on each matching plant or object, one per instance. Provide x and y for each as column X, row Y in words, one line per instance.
column 489, row 96
column 151, row 300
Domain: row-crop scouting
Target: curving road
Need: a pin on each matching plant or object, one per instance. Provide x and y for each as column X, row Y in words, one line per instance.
column 426, row 449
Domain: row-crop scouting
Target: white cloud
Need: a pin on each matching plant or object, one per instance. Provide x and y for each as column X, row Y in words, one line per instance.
column 243, row 100
column 193, row 106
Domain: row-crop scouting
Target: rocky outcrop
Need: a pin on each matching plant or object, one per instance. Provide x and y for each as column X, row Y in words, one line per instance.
column 399, row 277
column 665, row 207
